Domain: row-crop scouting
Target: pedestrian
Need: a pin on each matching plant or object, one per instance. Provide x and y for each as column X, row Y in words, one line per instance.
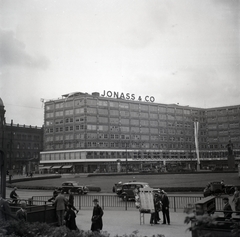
column 5, row 211
column 60, row 205
column 227, row 209
column 70, row 218
column 236, row 200
column 55, row 193
column 165, row 207
column 71, row 200
column 14, row 196
column 154, row 219
column 21, row 214
column 97, row 223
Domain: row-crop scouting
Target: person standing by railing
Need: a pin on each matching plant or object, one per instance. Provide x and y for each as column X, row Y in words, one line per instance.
column 71, row 200
column 60, row 204
column 21, row 214
column 165, row 207
column 5, row 211
column 236, row 200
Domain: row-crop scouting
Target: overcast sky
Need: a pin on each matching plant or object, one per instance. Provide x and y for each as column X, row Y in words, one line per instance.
column 179, row 51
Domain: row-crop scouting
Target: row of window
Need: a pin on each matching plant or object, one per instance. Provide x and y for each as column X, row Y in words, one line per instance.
column 27, row 155
column 22, row 136
column 24, row 146
column 121, row 105
column 129, row 154
column 116, row 113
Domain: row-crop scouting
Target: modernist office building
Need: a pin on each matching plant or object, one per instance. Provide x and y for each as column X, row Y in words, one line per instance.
column 87, row 132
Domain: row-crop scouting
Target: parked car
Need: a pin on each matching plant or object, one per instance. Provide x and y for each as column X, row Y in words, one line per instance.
column 127, row 191
column 217, row 189
column 74, row 187
column 117, row 187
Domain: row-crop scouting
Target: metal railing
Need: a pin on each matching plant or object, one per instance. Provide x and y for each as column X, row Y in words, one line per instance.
column 177, row 203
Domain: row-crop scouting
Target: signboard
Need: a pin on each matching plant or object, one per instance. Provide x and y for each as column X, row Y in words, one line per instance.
column 127, row 96
column 146, row 200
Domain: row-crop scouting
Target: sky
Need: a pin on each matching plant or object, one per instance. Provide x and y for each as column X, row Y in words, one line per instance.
column 178, row 51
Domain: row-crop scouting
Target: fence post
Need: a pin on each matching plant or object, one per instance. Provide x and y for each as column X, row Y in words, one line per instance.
column 103, row 202
column 79, row 198
column 174, row 201
column 45, row 208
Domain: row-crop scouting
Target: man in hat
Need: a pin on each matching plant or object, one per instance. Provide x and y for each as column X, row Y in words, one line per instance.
column 165, row 207
column 96, row 219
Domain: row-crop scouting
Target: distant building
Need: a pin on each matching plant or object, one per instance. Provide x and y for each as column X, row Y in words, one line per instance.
column 92, row 132
column 22, row 145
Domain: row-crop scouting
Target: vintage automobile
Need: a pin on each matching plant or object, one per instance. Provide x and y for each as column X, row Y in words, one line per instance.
column 128, row 189
column 217, row 189
column 74, row 187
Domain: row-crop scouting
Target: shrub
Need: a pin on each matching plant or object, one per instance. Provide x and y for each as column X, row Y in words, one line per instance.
column 25, row 229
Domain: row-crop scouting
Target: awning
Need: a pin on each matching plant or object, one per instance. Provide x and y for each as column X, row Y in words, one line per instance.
column 67, row 167
column 56, row 167
column 45, row 167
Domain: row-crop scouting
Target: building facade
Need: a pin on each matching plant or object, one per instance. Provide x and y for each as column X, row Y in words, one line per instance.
column 20, row 144
column 92, row 132
column 23, row 146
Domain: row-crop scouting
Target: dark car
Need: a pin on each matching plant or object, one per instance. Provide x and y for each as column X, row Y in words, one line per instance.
column 127, row 191
column 74, row 187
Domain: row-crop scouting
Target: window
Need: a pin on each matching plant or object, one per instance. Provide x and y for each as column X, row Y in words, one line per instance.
column 114, row 113
column 103, row 120
column 144, row 122
column 162, row 109
column 91, row 119
column 58, row 113
column 49, row 115
column 91, row 110
column 170, row 110
column 123, row 105
column 49, row 107
column 79, row 111
column 92, row 102
column 102, row 103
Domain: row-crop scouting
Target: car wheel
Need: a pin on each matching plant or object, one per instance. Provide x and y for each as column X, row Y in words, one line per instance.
column 80, row 191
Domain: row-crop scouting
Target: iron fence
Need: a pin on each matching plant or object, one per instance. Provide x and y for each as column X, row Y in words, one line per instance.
column 177, row 203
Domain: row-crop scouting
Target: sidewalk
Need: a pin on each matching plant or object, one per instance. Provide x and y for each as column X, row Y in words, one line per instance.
column 126, row 222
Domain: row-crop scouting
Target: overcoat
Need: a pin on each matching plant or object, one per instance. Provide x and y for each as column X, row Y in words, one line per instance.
column 97, row 223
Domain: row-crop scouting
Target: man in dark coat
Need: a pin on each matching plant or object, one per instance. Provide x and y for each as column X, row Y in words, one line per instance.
column 14, row 196
column 70, row 218
column 96, row 219
column 5, row 211
column 227, row 209
column 21, row 214
column 165, row 207
column 71, row 200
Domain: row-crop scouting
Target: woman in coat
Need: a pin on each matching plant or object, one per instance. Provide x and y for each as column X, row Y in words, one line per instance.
column 70, row 218
column 96, row 219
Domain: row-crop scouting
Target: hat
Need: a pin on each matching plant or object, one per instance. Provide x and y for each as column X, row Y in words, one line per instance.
column 161, row 191
column 95, row 200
